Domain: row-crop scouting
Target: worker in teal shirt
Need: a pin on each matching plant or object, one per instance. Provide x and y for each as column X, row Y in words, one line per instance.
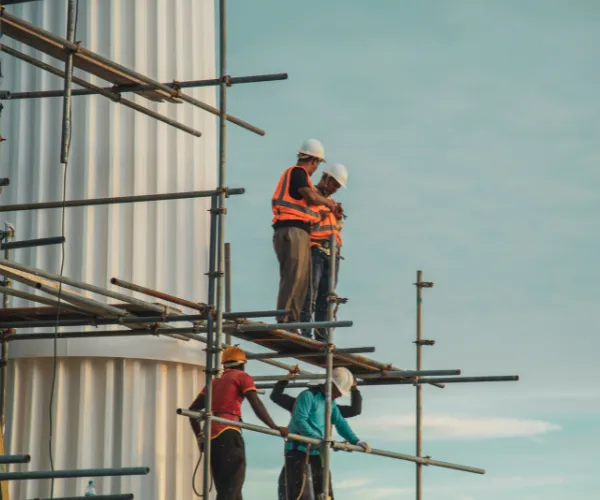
column 308, row 419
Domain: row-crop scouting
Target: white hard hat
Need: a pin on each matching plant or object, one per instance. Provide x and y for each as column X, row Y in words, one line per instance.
column 343, row 380
column 338, row 171
column 312, row 147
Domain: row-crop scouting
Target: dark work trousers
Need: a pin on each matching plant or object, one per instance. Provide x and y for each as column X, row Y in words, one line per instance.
column 292, row 246
column 295, row 473
column 316, row 301
column 228, row 464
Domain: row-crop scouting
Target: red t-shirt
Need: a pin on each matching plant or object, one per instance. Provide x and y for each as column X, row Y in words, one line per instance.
column 227, row 397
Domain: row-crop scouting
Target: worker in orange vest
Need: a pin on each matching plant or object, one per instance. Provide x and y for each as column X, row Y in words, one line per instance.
column 296, row 206
column 334, row 177
column 228, row 454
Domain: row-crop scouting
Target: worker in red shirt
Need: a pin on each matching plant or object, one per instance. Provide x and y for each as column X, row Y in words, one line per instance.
column 227, row 449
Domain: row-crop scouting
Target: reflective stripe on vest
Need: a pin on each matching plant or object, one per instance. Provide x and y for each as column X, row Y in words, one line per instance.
column 323, row 230
column 287, row 208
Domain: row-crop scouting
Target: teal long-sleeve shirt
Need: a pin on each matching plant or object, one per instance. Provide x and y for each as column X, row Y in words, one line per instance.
column 308, row 419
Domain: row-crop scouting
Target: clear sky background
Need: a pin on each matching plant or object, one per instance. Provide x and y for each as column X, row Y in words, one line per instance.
column 470, row 130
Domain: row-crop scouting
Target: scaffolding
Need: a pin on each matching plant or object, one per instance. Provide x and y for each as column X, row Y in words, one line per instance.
column 209, row 322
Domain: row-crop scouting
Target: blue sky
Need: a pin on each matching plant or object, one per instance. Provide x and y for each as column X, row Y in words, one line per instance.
column 470, row 133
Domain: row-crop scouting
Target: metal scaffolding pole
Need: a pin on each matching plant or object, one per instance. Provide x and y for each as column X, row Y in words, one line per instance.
column 125, row 496
column 151, row 320
column 118, row 89
column 222, row 209
column 158, row 295
column 54, row 240
column 304, row 354
column 329, row 367
column 206, row 471
column 69, row 473
column 334, row 444
column 409, row 381
column 9, row 233
column 419, row 387
column 365, row 376
column 15, row 459
column 66, row 123
column 117, row 199
column 228, row 286
column 113, row 97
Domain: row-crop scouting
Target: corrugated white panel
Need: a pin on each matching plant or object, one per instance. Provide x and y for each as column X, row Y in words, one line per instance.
column 113, row 412
column 109, row 413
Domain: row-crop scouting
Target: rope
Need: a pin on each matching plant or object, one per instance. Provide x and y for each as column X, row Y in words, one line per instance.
column 195, row 475
column 304, row 474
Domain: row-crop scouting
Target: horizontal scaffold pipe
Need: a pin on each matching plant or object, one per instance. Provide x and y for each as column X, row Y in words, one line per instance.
column 117, row 199
column 118, row 89
column 409, row 381
column 412, row 373
column 39, row 242
column 260, row 327
column 118, row 496
column 191, row 331
column 336, row 445
column 304, row 354
column 15, row 459
column 69, row 473
column 94, row 321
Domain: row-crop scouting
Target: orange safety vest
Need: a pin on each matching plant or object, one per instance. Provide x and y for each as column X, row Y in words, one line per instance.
column 287, row 208
column 322, row 231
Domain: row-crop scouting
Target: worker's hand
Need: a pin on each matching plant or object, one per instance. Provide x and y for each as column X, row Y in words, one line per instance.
column 283, row 431
column 200, row 441
column 364, row 446
column 330, row 204
column 338, row 211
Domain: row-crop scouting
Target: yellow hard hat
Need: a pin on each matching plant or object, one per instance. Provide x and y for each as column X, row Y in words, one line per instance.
column 233, row 356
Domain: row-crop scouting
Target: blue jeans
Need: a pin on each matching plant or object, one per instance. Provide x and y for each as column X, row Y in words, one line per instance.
column 316, row 300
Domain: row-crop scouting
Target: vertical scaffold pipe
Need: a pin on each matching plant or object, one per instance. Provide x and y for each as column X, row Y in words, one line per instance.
column 329, row 366
column 419, row 387
column 210, row 345
column 222, row 175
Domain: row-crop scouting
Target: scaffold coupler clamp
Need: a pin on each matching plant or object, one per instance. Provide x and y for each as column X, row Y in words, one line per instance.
column 226, row 79
column 424, row 284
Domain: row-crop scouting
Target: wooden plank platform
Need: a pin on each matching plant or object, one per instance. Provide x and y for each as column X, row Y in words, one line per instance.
column 286, row 342
column 84, row 59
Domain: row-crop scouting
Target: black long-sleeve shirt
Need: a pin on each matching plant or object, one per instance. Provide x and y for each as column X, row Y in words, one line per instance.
column 287, row 402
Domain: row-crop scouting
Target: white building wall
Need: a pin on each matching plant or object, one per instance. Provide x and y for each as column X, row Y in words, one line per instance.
column 108, row 413
column 115, row 400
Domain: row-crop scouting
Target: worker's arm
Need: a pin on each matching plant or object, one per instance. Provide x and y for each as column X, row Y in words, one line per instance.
column 312, row 197
column 342, row 426
column 355, row 407
column 262, row 413
column 303, row 410
column 281, row 399
column 197, row 405
column 299, row 182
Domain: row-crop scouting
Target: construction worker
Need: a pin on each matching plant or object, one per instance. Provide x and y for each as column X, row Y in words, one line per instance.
column 296, row 205
column 287, row 403
column 227, row 448
column 308, row 419
column 334, row 177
